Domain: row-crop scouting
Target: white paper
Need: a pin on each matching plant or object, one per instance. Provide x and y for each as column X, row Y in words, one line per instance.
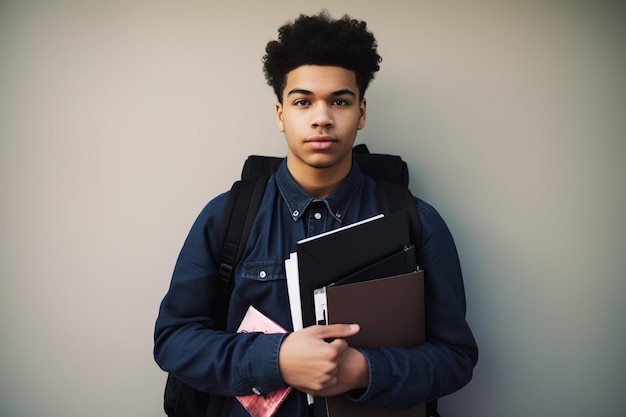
column 306, row 239
column 293, row 290
column 319, row 297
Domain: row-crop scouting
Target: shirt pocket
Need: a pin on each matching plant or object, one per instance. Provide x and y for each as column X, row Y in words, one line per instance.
column 263, row 270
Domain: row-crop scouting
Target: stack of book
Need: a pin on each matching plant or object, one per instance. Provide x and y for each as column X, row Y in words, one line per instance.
column 364, row 273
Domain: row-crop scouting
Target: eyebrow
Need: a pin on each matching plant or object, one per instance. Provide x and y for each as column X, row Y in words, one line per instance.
column 345, row 91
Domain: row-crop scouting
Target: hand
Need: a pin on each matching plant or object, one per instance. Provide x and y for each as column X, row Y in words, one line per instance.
column 310, row 364
column 353, row 373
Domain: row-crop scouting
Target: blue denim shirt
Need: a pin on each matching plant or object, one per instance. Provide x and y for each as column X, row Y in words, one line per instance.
column 231, row 364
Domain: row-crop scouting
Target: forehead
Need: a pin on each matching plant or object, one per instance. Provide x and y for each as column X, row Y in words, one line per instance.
column 320, row 79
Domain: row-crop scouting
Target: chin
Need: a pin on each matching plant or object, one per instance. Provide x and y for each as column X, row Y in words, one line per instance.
column 322, row 163
column 321, row 166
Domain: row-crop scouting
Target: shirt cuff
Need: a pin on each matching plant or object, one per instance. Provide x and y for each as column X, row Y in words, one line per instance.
column 263, row 371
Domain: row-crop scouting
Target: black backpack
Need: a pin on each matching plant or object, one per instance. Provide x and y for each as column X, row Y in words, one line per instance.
column 392, row 178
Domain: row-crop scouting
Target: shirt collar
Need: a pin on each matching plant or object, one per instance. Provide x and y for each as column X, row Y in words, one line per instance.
column 297, row 200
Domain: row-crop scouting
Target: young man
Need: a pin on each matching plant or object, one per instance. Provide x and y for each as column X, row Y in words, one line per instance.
column 319, row 68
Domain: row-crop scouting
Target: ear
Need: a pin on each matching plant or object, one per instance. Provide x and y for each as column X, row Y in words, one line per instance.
column 362, row 116
column 279, row 117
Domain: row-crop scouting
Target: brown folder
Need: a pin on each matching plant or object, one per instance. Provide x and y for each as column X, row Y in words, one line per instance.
column 390, row 312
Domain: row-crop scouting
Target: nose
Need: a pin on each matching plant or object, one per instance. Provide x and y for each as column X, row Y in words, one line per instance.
column 322, row 116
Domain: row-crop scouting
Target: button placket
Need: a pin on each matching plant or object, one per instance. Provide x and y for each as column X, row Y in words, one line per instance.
column 316, row 217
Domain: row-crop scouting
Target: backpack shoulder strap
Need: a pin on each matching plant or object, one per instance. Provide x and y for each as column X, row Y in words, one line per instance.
column 394, row 197
column 239, row 212
column 256, row 166
column 244, row 199
column 381, row 166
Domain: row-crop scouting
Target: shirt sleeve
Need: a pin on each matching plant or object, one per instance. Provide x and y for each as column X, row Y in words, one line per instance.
column 186, row 343
column 402, row 378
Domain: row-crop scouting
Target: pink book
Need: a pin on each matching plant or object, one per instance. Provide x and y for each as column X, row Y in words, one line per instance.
column 263, row 404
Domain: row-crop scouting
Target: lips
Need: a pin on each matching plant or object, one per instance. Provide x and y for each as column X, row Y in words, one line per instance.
column 321, row 143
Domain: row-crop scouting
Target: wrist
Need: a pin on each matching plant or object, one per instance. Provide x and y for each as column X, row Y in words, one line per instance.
column 356, row 369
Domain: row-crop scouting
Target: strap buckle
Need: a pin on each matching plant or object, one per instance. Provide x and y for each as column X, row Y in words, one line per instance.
column 225, row 271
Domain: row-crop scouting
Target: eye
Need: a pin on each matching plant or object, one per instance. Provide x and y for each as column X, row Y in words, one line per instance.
column 301, row 102
column 340, row 102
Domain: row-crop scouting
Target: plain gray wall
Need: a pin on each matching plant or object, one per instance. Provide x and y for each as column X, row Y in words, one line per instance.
column 120, row 120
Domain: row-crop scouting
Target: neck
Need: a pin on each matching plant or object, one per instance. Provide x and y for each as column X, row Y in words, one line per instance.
column 318, row 182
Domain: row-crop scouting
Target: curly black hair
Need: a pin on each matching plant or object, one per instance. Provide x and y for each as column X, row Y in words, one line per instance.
column 322, row 40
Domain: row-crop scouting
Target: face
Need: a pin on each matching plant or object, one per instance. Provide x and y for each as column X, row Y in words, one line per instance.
column 320, row 116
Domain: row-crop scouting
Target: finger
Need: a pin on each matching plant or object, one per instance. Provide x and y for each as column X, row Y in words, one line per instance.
column 334, row 331
column 340, row 345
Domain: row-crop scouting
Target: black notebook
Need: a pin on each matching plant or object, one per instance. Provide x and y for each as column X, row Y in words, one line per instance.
column 370, row 249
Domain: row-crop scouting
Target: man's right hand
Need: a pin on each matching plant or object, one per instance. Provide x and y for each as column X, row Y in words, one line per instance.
column 310, row 364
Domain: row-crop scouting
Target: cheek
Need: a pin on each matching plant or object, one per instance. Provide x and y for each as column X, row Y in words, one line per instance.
column 292, row 122
column 287, row 128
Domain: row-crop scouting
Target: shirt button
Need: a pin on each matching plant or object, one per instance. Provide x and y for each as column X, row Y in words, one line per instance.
column 262, row 274
column 295, row 213
column 317, row 216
